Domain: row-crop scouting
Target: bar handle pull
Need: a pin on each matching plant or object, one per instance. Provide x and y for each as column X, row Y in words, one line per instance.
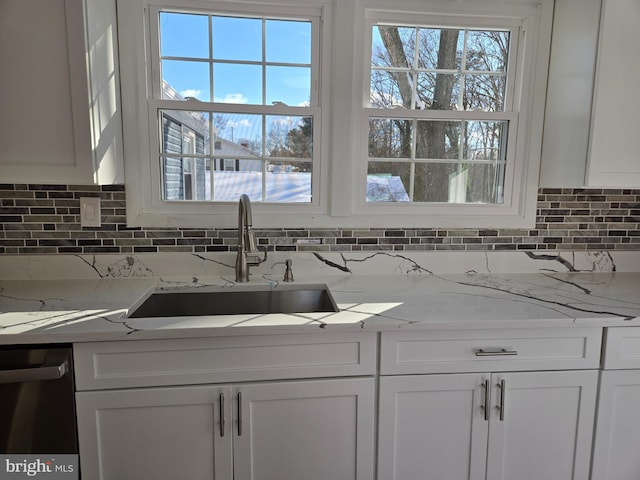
column 495, row 353
column 485, row 406
column 222, row 421
column 239, row 413
column 501, row 405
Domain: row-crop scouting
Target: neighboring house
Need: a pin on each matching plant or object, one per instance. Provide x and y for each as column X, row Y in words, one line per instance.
column 231, row 157
column 185, row 133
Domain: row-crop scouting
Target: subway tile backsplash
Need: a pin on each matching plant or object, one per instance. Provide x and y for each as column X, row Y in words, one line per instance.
column 45, row 219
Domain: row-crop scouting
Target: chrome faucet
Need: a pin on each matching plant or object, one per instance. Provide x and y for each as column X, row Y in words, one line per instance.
column 247, row 248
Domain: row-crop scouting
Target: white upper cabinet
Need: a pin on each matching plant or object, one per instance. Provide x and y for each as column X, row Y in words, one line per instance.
column 614, row 160
column 60, row 120
column 567, row 118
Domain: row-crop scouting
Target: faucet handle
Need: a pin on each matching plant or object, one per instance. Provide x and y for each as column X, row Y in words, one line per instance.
column 288, row 273
column 255, row 260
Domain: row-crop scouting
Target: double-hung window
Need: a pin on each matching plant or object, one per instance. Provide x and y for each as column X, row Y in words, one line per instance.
column 231, row 94
column 449, row 128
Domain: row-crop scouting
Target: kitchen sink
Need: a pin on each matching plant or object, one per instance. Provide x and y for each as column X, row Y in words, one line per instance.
column 235, row 301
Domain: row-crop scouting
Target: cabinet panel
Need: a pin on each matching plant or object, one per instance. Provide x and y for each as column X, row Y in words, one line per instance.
column 617, row 438
column 622, row 348
column 434, row 424
column 315, row 430
column 154, row 433
column 101, row 365
column 490, row 350
column 61, row 120
column 613, row 156
column 546, row 428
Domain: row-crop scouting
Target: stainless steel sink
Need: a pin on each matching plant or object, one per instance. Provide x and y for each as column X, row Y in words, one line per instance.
column 235, row 301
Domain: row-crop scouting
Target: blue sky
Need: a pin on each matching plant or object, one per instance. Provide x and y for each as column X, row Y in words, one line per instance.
column 236, row 40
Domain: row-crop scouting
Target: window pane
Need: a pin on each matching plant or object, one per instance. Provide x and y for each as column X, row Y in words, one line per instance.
column 384, row 91
column 484, row 140
column 438, row 91
column 237, row 83
column 288, row 182
column 440, row 48
column 465, row 183
column 438, row 139
column 388, row 182
column 237, row 135
column 184, row 132
column 229, row 185
column 485, row 92
column 237, row 38
column 289, row 85
column 184, row 35
column 288, row 41
column 289, row 137
column 185, row 79
column 436, row 182
column 390, row 138
column 393, row 46
column 487, row 51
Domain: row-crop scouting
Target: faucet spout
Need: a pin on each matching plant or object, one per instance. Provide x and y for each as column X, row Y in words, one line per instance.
column 247, row 247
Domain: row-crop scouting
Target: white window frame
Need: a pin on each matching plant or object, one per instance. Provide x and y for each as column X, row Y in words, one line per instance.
column 342, row 82
column 532, row 23
column 137, row 22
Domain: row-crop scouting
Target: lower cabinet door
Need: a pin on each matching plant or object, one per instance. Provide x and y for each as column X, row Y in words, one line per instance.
column 541, row 426
column 616, row 452
column 311, row 430
column 155, row 434
column 433, row 427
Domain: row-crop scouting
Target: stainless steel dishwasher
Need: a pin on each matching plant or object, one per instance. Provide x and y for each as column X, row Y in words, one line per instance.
column 37, row 408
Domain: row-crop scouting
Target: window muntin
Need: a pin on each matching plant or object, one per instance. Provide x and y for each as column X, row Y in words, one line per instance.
column 266, row 127
column 450, row 145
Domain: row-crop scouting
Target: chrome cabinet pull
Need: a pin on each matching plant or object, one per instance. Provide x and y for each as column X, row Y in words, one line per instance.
column 495, row 353
column 239, row 413
column 500, row 407
column 485, row 407
column 222, row 415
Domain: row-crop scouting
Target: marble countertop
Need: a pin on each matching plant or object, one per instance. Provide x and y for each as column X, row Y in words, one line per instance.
column 95, row 309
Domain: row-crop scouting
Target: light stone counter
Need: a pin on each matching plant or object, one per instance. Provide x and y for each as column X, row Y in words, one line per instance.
column 44, row 299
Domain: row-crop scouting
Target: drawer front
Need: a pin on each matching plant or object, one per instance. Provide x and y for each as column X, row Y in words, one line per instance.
column 622, row 348
column 144, row 363
column 490, row 350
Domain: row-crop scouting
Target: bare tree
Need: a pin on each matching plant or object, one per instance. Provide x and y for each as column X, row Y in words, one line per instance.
column 432, row 79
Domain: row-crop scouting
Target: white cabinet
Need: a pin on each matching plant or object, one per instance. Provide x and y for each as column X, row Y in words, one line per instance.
column 158, row 433
column 617, row 436
column 496, row 424
column 316, row 429
column 312, row 430
column 60, row 120
column 537, row 425
column 546, row 427
column 434, row 424
column 613, row 156
column 617, row 439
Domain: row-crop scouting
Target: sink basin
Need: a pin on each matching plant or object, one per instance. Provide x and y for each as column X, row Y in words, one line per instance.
column 236, row 301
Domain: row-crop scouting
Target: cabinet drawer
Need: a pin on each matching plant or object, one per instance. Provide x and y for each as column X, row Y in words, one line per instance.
column 136, row 363
column 622, row 348
column 490, row 350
